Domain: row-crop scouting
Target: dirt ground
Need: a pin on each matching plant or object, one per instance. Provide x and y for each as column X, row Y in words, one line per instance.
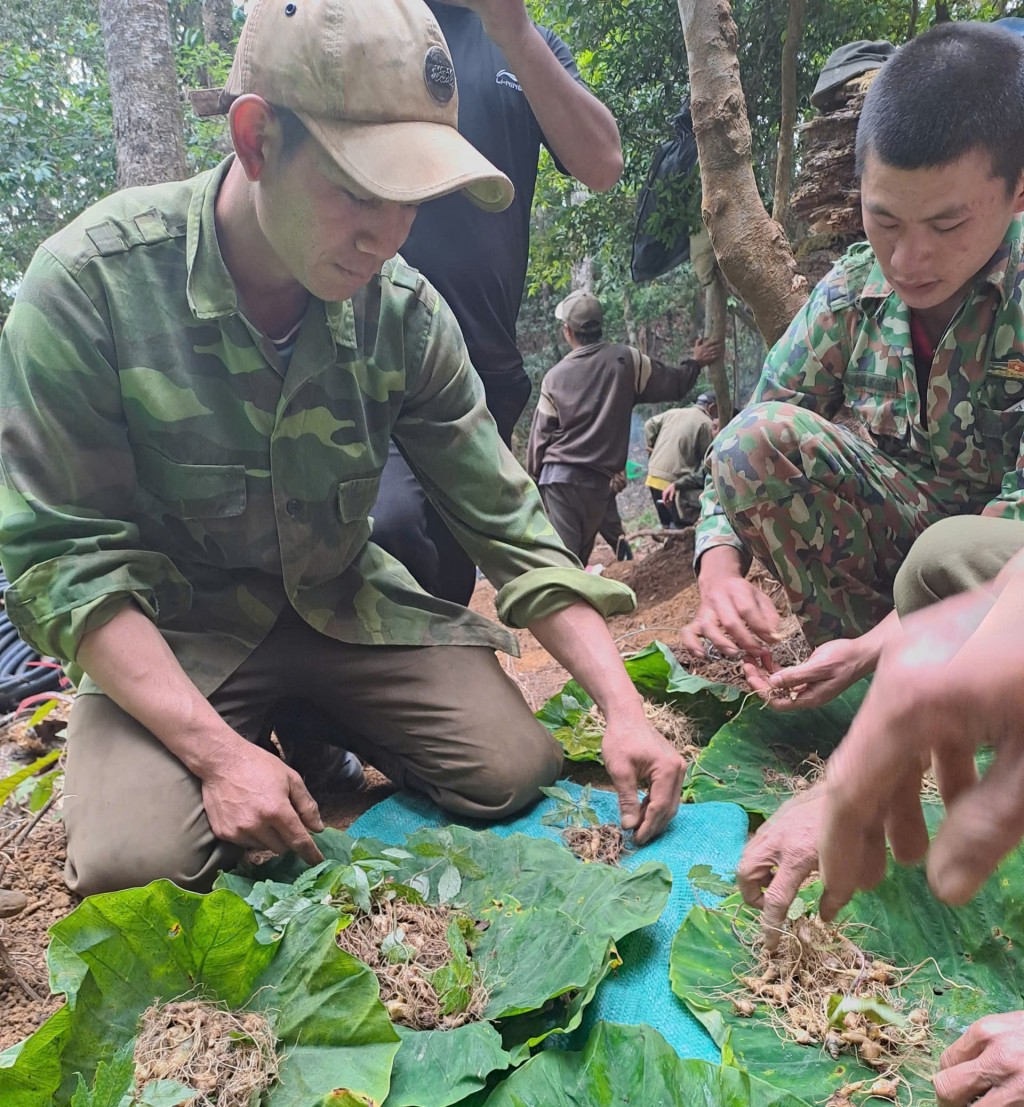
column 663, row 580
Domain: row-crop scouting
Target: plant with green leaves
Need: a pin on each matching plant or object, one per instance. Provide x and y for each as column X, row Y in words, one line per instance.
column 542, row 937
column 569, row 811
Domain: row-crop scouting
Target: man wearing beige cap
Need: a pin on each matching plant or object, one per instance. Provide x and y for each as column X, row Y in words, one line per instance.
column 580, row 433
column 200, row 380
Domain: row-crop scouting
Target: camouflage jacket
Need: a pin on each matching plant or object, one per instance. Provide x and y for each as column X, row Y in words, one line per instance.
column 154, row 448
column 851, row 344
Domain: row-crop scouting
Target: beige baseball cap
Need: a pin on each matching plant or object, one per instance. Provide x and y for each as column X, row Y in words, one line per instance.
column 580, row 311
column 373, row 82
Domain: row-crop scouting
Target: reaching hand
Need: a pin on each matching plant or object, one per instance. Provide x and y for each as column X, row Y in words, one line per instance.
column 668, row 495
column 985, row 1065
column 830, row 670
column 635, row 755
column 780, row 857
column 500, row 18
column 736, row 617
column 706, row 351
column 257, row 802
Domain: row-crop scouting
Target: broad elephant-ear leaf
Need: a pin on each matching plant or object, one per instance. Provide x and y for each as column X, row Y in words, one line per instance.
column 117, row 954
column 965, row 961
column 548, row 941
column 621, row 1066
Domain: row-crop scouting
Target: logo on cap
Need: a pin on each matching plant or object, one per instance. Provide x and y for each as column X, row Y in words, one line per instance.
column 439, row 74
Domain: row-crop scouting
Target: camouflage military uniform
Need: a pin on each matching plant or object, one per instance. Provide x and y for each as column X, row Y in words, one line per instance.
column 833, row 512
column 155, row 449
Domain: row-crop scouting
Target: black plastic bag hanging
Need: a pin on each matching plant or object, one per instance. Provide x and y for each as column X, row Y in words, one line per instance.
column 668, row 207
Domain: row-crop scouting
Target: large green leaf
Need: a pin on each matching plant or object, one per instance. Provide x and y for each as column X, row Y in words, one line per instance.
column 549, row 941
column 116, row 954
column 659, row 677
column 743, row 761
column 30, row 1072
column 624, row 1066
column 968, row 967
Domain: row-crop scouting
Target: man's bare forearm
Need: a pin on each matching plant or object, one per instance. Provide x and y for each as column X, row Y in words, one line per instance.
column 130, row 661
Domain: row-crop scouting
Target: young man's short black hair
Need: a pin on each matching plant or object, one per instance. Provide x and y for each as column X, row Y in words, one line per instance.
column 588, row 335
column 955, row 89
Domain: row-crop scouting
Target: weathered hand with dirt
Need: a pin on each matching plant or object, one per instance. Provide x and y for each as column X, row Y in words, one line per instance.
column 257, row 802
column 829, row 671
column 635, row 755
column 735, row 616
column 985, row 1065
column 780, row 857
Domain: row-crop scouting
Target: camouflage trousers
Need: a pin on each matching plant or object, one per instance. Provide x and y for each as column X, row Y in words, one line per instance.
column 829, row 514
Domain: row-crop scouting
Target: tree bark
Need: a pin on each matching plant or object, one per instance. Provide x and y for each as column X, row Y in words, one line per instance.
column 148, row 122
column 715, row 310
column 915, row 12
column 217, row 23
column 752, row 249
column 787, row 124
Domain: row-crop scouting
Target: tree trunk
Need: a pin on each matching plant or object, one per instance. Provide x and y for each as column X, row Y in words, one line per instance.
column 915, row 12
column 787, row 124
column 715, row 308
column 148, row 123
column 217, row 23
column 583, row 274
column 751, row 249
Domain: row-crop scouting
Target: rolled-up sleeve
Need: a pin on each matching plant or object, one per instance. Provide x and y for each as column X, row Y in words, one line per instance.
column 67, row 474
column 482, row 493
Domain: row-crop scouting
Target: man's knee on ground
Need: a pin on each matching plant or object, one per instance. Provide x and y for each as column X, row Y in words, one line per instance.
column 104, row 864
column 512, row 775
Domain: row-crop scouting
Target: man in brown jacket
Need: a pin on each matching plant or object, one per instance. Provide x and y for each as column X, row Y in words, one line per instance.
column 580, row 433
column 678, row 440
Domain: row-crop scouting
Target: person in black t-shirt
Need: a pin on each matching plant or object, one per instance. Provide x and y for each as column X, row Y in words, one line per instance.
column 519, row 88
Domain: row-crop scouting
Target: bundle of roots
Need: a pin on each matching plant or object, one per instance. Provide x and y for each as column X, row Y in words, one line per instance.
column 605, row 843
column 798, row 982
column 405, row 987
column 227, row 1057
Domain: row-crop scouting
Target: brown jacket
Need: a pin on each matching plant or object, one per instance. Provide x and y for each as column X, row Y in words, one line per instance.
column 583, row 414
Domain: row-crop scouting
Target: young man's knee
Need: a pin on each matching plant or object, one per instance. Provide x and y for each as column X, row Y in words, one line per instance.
column 741, row 456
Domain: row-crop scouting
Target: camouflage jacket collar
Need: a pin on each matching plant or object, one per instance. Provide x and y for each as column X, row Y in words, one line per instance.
column 1000, row 273
column 210, row 289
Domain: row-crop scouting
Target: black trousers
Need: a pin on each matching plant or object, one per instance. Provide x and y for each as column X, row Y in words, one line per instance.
column 406, row 524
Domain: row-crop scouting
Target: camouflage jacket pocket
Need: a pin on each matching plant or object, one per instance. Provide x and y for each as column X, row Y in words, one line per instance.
column 1001, row 437
column 356, row 498
column 880, row 403
column 192, row 491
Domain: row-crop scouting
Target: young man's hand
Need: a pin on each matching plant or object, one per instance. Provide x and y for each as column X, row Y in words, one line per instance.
column 829, row 671
column 780, row 857
column 668, row 495
column 636, row 755
column 735, row 616
column 985, row 1065
column 502, row 19
column 256, row 801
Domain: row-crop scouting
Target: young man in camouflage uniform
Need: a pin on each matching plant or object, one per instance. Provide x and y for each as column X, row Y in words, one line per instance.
column 200, row 380
column 921, row 333
column 580, row 433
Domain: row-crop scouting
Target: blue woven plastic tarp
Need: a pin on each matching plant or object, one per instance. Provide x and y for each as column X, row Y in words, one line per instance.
column 701, row 834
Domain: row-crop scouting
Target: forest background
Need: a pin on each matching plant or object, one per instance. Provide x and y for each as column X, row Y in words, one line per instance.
column 65, row 138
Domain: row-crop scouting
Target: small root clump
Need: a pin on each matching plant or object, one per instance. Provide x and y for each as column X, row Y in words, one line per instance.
column 419, row 946
column 807, row 773
column 228, row 1057
column 605, row 843
column 671, row 724
column 814, row 963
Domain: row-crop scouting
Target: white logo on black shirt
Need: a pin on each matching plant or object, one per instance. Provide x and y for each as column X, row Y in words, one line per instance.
column 509, row 80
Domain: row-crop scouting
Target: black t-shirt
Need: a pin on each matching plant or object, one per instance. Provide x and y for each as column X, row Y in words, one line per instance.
column 476, row 259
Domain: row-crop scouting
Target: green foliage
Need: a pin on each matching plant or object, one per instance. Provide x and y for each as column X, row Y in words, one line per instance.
column 9, row 785
column 116, row 954
column 568, row 810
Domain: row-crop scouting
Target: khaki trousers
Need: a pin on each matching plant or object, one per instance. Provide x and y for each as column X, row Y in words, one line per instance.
column 442, row 720
column 953, row 556
column 576, row 512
